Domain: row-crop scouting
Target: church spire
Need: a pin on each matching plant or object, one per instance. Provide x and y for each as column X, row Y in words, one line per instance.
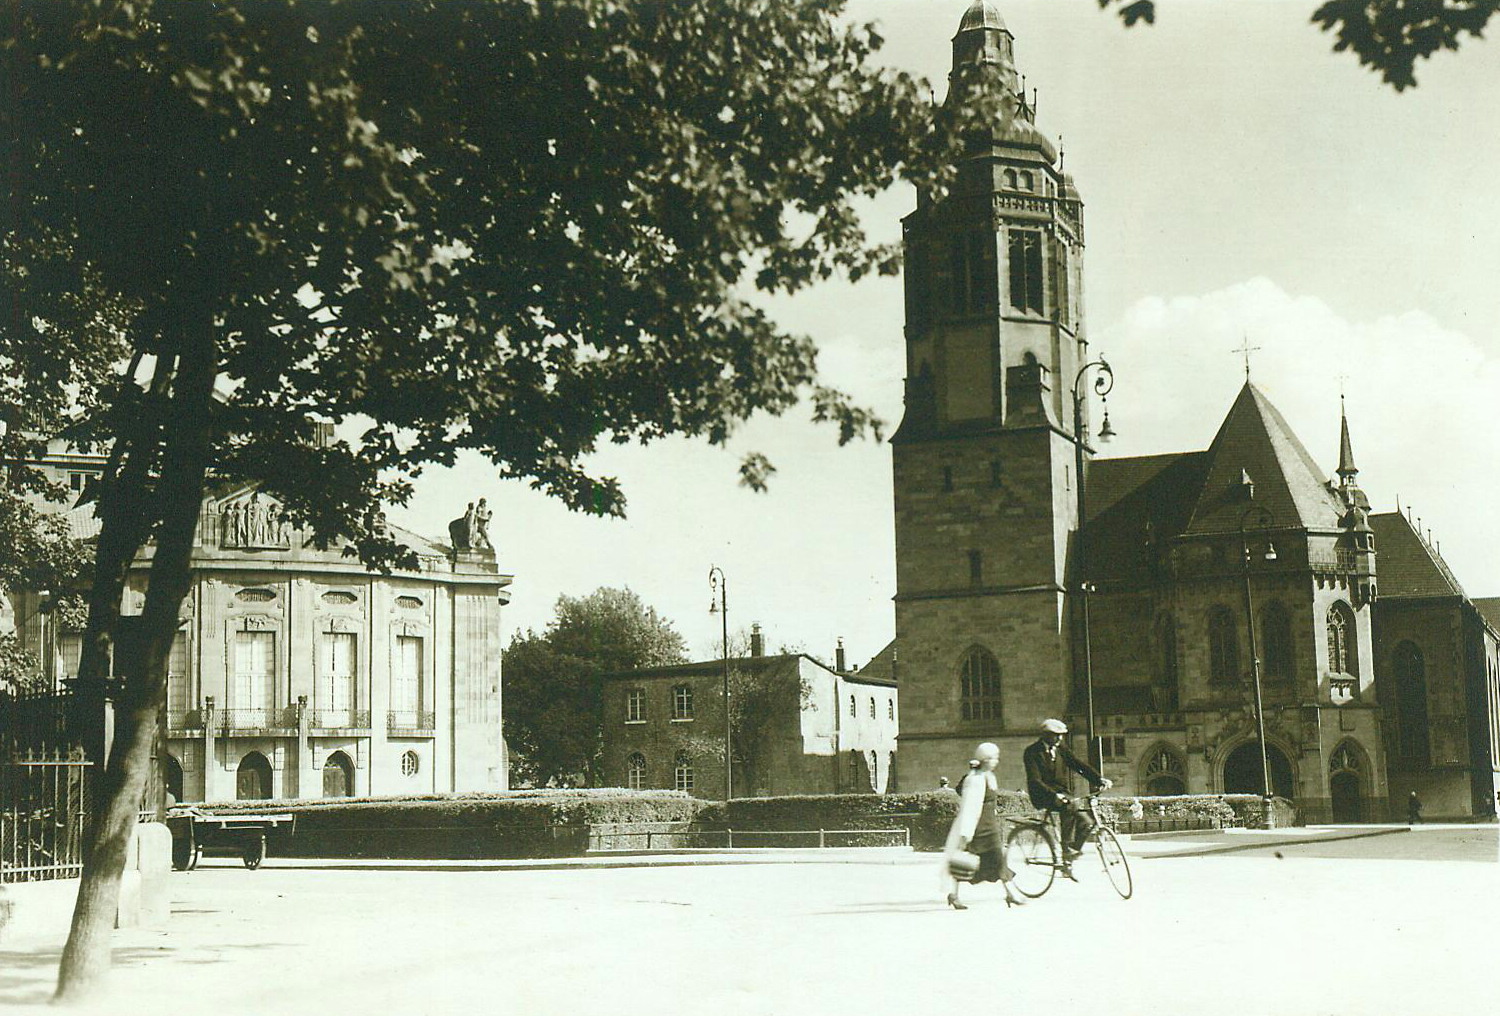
column 1347, row 469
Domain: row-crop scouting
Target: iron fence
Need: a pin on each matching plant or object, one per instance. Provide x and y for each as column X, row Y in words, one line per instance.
column 43, row 808
column 606, row 836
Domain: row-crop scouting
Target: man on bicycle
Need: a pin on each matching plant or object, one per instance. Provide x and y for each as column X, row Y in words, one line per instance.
column 1047, row 762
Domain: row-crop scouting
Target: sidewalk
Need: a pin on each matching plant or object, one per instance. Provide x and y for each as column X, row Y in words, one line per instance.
column 1202, row 843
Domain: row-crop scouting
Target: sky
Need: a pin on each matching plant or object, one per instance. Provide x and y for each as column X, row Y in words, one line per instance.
column 1240, row 180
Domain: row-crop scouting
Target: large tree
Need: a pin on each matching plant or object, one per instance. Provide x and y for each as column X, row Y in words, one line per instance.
column 553, row 719
column 516, row 227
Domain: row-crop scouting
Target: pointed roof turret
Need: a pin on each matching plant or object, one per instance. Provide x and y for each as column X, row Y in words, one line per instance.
column 1347, row 469
column 1255, row 440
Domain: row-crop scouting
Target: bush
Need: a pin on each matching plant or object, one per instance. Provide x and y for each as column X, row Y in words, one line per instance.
column 545, row 823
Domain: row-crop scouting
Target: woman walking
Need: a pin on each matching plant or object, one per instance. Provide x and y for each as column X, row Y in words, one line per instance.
column 975, row 850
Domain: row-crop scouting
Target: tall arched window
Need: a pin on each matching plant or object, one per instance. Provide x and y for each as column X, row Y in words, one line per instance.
column 682, row 772
column 635, row 772
column 1166, row 662
column 981, row 686
column 1276, row 641
column 1341, row 640
column 1223, row 645
column 1411, row 702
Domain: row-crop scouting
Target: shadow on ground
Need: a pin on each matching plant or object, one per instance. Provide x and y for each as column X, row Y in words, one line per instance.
column 28, row 978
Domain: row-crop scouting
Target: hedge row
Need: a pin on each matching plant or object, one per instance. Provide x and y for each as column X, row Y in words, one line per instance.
column 510, row 825
column 557, row 823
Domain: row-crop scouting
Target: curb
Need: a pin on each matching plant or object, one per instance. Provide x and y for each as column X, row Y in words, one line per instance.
column 1235, row 848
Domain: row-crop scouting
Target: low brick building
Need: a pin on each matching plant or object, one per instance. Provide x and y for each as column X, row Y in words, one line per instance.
column 800, row 727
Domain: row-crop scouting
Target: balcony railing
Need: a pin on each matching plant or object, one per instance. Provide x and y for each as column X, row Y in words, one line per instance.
column 184, row 719
column 269, row 718
column 411, row 722
column 340, row 719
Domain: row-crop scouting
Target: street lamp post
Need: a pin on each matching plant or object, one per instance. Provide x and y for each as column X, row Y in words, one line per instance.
column 1104, row 381
column 719, row 587
column 1264, row 521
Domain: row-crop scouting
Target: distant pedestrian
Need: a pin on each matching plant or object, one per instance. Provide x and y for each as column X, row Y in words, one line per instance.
column 942, row 783
column 975, row 849
column 1413, row 809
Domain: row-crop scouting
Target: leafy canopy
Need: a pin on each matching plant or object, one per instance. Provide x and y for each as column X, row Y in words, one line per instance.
column 553, row 680
column 515, row 227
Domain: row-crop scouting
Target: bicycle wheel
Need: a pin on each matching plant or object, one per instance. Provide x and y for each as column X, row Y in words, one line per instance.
column 1116, row 867
column 1031, row 854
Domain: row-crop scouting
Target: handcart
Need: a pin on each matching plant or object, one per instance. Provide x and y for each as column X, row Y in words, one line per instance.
column 195, row 831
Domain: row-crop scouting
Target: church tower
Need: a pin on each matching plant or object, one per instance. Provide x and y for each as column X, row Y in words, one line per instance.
column 985, row 501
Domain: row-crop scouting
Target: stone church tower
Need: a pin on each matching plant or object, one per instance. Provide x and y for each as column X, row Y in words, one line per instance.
column 1233, row 588
column 984, row 459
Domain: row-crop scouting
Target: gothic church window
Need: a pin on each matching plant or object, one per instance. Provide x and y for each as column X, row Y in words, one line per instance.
column 1166, row 655
column 1026, row 270
column 1223, row 646
column 976, row 568
column 997, row 475
column 1010, row 178
column 947, row 479
column 635, row 772
column 971, row 273
column 980, row 685
column 1411, row 703
column 682, row 772
column 1341, row 656
column 1276, row 640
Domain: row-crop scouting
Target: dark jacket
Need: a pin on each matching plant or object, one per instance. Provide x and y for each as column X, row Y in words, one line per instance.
column 1045, row 779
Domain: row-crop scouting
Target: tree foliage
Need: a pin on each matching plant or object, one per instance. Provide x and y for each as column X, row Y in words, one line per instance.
column 1388, row 36
column 514, row 227
column 553, row 680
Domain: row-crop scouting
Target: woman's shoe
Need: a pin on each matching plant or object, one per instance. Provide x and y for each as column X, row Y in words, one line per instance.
column 954, row 902
column 1014, row 899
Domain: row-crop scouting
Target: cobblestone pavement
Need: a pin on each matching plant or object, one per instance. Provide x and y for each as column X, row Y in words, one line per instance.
column 1374, row 931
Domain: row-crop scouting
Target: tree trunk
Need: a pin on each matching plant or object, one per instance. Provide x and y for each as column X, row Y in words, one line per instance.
column 142, row 660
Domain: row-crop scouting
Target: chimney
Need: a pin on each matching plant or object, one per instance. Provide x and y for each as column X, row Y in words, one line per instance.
column 838, row 658
column 757, row 641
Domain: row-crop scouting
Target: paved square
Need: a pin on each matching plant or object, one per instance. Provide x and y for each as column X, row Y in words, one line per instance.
column 1389, row 925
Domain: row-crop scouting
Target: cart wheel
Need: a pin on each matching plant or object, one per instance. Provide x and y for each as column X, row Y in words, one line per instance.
column 182, row 853
column 255, row 852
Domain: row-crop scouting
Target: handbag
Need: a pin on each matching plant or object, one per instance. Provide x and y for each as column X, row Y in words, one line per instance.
column 962, row 865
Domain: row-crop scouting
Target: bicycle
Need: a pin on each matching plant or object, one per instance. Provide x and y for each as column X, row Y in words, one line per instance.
column 1032, row 851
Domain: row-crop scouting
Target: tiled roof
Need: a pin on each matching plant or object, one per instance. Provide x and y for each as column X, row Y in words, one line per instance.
column 751, row 663
column 1256, row 440
column 1405, row 564
column 1136, row 505
column 1489, row 609
column 882, row 665
column 82, row 522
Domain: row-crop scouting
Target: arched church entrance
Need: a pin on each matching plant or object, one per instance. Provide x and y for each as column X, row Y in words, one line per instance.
column 1343, row 793
column 1242, row 771
column 253, row 781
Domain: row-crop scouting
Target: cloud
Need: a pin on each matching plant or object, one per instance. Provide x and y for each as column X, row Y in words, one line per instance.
column 1420, row 398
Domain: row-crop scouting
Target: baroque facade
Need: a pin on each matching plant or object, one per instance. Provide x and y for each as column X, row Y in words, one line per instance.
column 1203, row 570
column 297, row 673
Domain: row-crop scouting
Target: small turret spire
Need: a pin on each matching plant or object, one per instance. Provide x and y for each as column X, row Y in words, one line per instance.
column 1347, row 469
